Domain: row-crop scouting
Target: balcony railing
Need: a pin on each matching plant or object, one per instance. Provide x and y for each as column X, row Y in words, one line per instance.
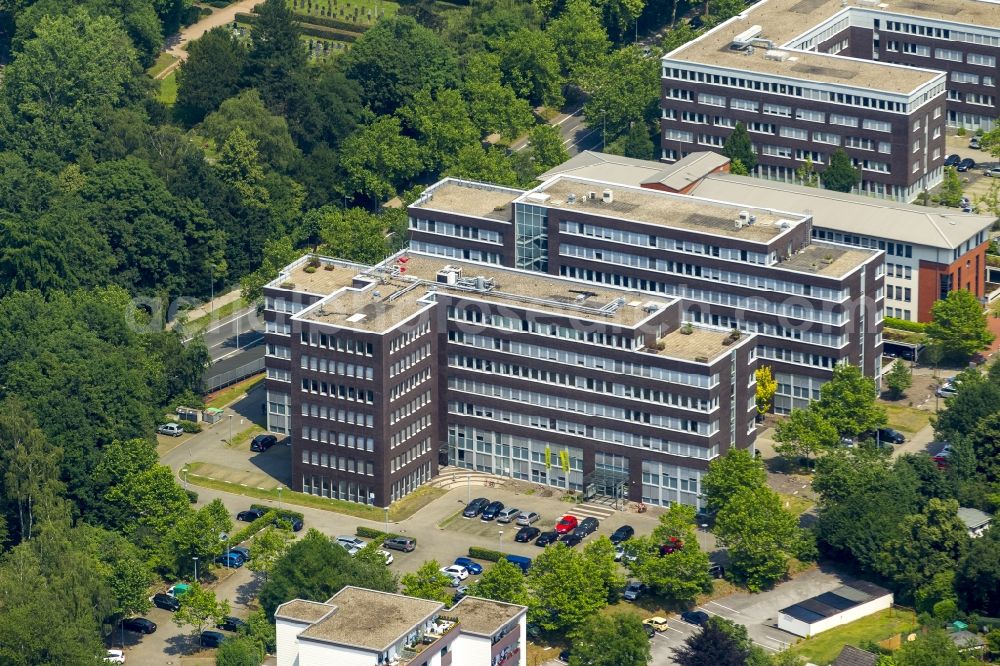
column 443, row 626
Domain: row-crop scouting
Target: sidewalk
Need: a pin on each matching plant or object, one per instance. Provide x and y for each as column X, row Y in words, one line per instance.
column 219, row 17
column 208, row 307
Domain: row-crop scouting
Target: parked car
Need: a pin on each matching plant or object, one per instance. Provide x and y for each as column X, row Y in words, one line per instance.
column 139, row 625
column 520, row 561
column 461, row 592
column 171, row 429
column 526, row 534
column 263, row 442
column 473, row 567
column 350, row 542
column 115, row 657
column 941, row 458
column 587, row 526
column 212, row 639
column 650, row 632
column 571, row 538
column 716, row 570
column 475, row 507
column 966, row 164
column 890, row 435
column 704, row 518
column 250, row 515
column 695, row 617
column 623, row 533
column 528, row 518
column 508, row 515
column 178, row 590
column 296, row 523
column 166, row 602
column 455, row 581
column 242, row 550
column 974, row 143
column 387, row 556
column 657, row 622
column 992, row 172
column 231, row 623
column 533, row 631
column 633, row 590
column 672, row 545
column 351, row 550
column 404, row 544
column 547, row 538
column 619, row 552
column 455, row 570
column 952, row 160
column 230, row 560
column 946, row 391
column 566, row 524
column 491, row 511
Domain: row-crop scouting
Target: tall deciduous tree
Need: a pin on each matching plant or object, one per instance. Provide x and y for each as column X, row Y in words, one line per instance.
column 502, row 582
column 427, row 582
column 951, row 192
column 530, row 67
column 739, row 147
column 898, row 379
column 239, row 166
column 29, row 465
column 267, row 548
column 623, row 89
column 440, row 121
column 239, row 651
column 579, row 38
column 933, row 648
column 840, row 174
column 848, row 402
column 547, row 148
column 618, row 640
column 805, row 433
column 634, row 143
column 200, row 607
column 211, row 74
column 985, row 444
column 489, row 165
column 378, row 160
column 494, row 107
column 564, row 591
column 958, row 325
column 760, row 534
column 977, row 580
column 712, row 646
column 247, row 112
column 767, row 386
column 730, row 474
column 276, row 54
column 679, row 576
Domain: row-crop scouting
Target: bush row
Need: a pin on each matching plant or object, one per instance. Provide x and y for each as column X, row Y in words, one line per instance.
column 329, row 23
column 478, row 553
column 256, row 526
column 377, row 535
column 904, row 325
column 219, row 4
column 283, row 513
column 310, row 30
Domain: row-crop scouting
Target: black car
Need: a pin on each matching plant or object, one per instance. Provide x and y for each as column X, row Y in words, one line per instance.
column 587, row 526
column 695, row 617
column 696, row 22
column 564, row 656
column 212, row 639
column 890, row 435
column 139, row 625
column 546, row 538
column 716, row 570
column 623, row 533
column 650, row 632
column 263, row 442
column 475, row 507
column 533, row 630
column 571, row 538
column 166, row 602
column 526, row 534
column 250, row 515
column 952, row 160
column 231, row 624
column 967, row 164
column 294, row 521
column 491, row 511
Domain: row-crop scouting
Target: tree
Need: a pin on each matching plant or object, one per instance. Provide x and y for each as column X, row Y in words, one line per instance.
column 502, row 582
column 199, row 607
column 933, row 648
column 378, row 160
column 489, row 165
column 261, row 630
column 623, row 89
column 211, row 74
column 712, row 646
column 29, row 465
column 395, row 59
column 66, row 76
column 579, row 38
column 635, row 143
column 441, row 123
column 239, row 165
column 806, row 174
column 729, row 474
column 278, row 253
column 805, row 433
column 898, row 379
column 620, row 16
column 618, row 640
column 276, row 54
column 958, row 325
column 681, row 575
column 353, row 234
column 530, row 67
column 767, row 386
column 976, row 398
column 267, row 548
column 720, row 10
column 493, row 105
column 239, row 651
column 840, row 175
column 247, row 112
column 427, row 582
column 739, row 147
column 679, row 35
column 599, row 563
column 547, row 148
column 848, row 402
column 760, row 534
column 985, row 444
column 564, row 593
column 951, row 192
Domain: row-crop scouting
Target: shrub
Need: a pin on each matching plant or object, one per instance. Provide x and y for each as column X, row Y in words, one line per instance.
column 284, row 513
column 904, row 325
column 190, row 426
column 478, row 553
column 256, row 526
column 192, row 496
column 378, row 535
column 309, row 269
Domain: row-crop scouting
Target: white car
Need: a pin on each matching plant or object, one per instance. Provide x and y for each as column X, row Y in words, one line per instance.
column 115, row 657
column 387, row 555
column 351, row 542
column 455, row 571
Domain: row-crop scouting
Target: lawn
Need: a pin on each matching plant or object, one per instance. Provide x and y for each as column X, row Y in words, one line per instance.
column 229, row 395
column 796, row 504
column 168, row 89
column 825, row 647
column 162, row 62
column 907, row 419
column 199, row 324
column 242, row 437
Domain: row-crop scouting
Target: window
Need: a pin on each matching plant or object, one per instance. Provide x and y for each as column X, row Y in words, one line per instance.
column 710, row 140
column 719, row 121
column 916, row 125
column 777, row 151
column 859, row 143
column 978, row 98
column 816, row 157
column 692, row 117
column 778, row 110
column 678, row 135
column 948, row 54
column 711, row 100
column 826, row 137
column 980, row 59
column 760, row 128
column 916, row 167
column 846, row 121
column 794, row 133
column 937, row 112
column 989, row 81
column 916, row 49
column 811, row 116
column 677, row 93
column 916, row 145
column 743, row 104
column 877, row 125
column 964, row 77
column 885, row 147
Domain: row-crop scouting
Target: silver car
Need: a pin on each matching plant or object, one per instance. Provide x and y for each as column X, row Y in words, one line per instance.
column 527, row 518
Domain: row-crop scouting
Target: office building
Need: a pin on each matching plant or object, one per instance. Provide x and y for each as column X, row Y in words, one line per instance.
column 359, row 627
column 806, row 77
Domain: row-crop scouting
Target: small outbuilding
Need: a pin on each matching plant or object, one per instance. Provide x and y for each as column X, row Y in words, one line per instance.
column 853, row 656
column 832, row 609
column 976, row 521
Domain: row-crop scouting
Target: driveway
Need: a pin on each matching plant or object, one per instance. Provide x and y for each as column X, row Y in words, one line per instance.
column 218, row 17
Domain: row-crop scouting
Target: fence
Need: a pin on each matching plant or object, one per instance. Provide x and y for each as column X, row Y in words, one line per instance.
column 223, row 379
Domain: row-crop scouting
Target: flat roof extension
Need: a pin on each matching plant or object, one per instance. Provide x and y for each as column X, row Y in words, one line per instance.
column 484, row 617
column 828, row 604
column 469, row 198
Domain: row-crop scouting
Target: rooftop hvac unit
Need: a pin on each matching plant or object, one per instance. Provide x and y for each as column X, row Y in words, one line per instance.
column 744, row 216
column 608, row 196
column 449, row 275
column 650, row 307
column 742, row 40
column 592, row 196
column 571, row 198
column 776, row 54
column 739, row 224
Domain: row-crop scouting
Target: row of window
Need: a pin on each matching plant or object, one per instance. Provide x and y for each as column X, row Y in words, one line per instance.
column 965, row 77
column 341, row 391
column 582, row 383
column 902, row 293
column 802, row 358
column 514, row 447
column 409, row 431
column 409, row 384
column 410, row 407
column 342, row 463
column 283, row 305
column 334, row 414
column 278, row 328
column 409, row 336
column 349, row 491
column 411, row 454
column 411, row 359
column 523, row 325
column 334, row 438
column 944, row 33
column 891, row 249
column 898, row 271
column 456, row 230
column 348, row 345
column 468, row 254
column 762, row 328
column 584, row 360
column 320, row 364
column 279, row 374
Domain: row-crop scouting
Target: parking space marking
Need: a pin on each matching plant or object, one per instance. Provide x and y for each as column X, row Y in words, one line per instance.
column 731, row 610
column 783, row 644
column 766, row 647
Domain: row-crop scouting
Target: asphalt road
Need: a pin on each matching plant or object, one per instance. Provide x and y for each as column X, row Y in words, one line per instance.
column 576, row 135
column 230, row 337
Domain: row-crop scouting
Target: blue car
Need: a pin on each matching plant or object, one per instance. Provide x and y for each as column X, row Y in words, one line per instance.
column 474, row 568
column 230, row 560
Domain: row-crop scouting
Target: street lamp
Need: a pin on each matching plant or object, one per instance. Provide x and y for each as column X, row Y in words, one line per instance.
column 279, row 498
column 386, row 519
column 230, row 430
column 500, row 540
column 195, row 558
column 468, row 485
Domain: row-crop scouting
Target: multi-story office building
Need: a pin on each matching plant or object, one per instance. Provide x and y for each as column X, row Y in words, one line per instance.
column 929, row 251
column 373, row 371
column 806, row 77
column 811, row 304
column 359, row 627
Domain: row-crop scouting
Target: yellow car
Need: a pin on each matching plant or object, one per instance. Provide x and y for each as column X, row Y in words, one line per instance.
column 658, row 623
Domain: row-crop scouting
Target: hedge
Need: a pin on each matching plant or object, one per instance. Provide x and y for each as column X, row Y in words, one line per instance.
column 283, row 513
column 310, row 30
column 190, row 426
column 378, row 535
column 256, row 526
column 478, row 553
column 329, row 23
column 904, row 325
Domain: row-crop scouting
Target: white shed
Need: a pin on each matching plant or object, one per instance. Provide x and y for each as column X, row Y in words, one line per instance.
column 831, row 609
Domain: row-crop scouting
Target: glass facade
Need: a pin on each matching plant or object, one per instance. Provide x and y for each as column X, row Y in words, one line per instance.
column 532, row 237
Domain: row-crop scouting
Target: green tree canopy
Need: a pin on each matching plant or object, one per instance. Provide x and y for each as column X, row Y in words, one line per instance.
column 565, row 593
column 840, row 174
column 530, row 67
column 247, row 112
column 898, row 379
column 239, row 651
column 739, row 147
column 951, row 192
column 624, row 92
column 428, row 582
column 502, row 582
column 276, row 55
column 712, row 646
column 805, row 433
column 200, row 608
column 847, row 401
column 635, row 143
column 211, row 74
column 579, row 38
column 958, row 325
column 680, row 576
column 729, row 474
column 494, row 107
column 618, row 640
column 440, row 121
column 547, row 148
column 760, row 534
column 378, row 160
column 977, row 579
